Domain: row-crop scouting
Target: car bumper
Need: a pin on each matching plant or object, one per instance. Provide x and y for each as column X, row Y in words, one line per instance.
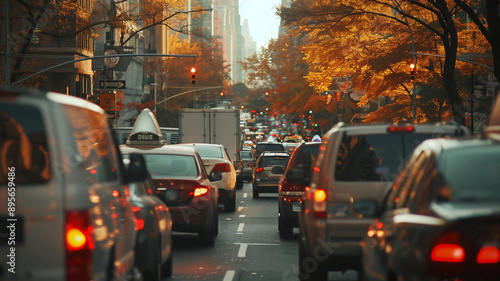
column 225, row 195
column 193, row 217
column 289, row 207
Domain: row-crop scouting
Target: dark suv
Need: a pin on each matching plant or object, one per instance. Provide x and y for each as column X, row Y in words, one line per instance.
column 296, row 177
column 267, row 146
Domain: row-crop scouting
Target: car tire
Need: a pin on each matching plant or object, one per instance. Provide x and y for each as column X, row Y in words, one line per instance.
column 207, row 236
column 306, row 273
column 167, row 267
column 255, row 192
column 285, row 228
column 239, row 182
column 153, row 271
column 230, row 205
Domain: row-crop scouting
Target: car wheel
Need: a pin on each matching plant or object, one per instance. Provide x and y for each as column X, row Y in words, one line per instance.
column 285, row 228
column 153, row 271
column 309, row 268
column 254, row 191
column 167, row 267
column 230, row 205
column 207, row 236
column 239, row 182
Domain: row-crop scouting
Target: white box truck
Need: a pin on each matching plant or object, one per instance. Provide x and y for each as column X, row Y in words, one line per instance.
column 219, row 126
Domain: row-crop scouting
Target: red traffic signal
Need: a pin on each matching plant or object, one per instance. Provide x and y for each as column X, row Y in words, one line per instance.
column 413, row 70
column 193, row 75
column 221, row 94
column 338, row 96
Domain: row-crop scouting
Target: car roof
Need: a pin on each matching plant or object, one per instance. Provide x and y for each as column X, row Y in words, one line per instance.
column 274, row 153
column 171, row 149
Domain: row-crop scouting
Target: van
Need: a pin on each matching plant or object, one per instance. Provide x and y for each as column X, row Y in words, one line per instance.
column 355, row 162
column 66, row 212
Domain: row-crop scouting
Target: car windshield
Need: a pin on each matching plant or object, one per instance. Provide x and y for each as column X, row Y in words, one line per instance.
column 471, row 174
column 209, row 151
column 374, row 157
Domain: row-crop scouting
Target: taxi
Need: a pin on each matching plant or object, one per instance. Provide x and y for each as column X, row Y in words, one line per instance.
column 180, row 177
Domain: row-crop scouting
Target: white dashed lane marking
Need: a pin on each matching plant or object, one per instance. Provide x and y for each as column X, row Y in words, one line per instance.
column 229, row 275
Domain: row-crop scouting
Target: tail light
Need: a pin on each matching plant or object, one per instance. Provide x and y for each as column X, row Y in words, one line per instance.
column 138, row 218
column 401, row 129
column 199, row 191
column 259, row 170
column 447, row 253
column 221, row 167
column 319, row 203
column 79, row 246
column 488, row 254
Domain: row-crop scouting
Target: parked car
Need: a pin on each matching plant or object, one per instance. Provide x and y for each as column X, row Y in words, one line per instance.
column 181, row 179
column 69, row 210
column 441, row 219
column 153, row 223
column 246, row 155
column 216, row 159
column 267, row 146
column 267, row 172
column 354, row 161
column 293, row 182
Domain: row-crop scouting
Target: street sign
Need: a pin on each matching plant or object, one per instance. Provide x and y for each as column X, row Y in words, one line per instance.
column 107, row 101
column 113, row 84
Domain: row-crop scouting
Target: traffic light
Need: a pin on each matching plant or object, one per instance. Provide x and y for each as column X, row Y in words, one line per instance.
column 267, row 93
column 329, row 99
column 221, row 94
column 193, row 75
column 338, row 96
column 413, row 70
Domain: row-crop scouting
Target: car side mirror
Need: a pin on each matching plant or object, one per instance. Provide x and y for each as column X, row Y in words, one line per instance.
column 215, row 176
column 366, row 208
column 136, row 169
column 238, row 164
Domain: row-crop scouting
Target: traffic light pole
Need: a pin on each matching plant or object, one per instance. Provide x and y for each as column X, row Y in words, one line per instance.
column 100, row 57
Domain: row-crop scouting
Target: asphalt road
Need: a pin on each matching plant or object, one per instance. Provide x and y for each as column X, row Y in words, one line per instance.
column 248, row 246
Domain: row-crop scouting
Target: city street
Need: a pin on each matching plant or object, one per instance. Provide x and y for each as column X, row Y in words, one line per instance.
column 248, row 246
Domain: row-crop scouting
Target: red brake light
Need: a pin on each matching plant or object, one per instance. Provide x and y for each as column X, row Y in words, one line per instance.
column 319, row 204
column 401, row 129
column 447, row 253
column 259, row 170
column 138, row 218
column 488, row 254
column 221, row 167
column 199, row 191
column 79, row 246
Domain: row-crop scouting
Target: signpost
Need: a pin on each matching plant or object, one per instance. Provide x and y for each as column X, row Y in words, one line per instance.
column 113, row 84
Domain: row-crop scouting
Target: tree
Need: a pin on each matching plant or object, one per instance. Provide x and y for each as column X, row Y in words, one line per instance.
column 371, row 42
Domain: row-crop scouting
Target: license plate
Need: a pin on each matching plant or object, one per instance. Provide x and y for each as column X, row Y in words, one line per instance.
column 340, row 211
column 296, row 206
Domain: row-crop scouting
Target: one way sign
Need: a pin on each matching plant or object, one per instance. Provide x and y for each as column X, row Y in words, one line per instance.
column 113, row 84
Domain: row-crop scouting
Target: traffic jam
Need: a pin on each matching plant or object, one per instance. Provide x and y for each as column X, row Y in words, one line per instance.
column 360, row 202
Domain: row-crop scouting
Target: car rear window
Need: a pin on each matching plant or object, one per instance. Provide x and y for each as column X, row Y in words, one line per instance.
column 270, row 161
column 24, row 151
column 171, row 165
column 209, row 151
column 269, row 147
column 471, row 174
column 374, row 157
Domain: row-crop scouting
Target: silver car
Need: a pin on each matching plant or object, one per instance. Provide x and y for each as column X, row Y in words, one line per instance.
column 66, row 212
column 354, row 162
